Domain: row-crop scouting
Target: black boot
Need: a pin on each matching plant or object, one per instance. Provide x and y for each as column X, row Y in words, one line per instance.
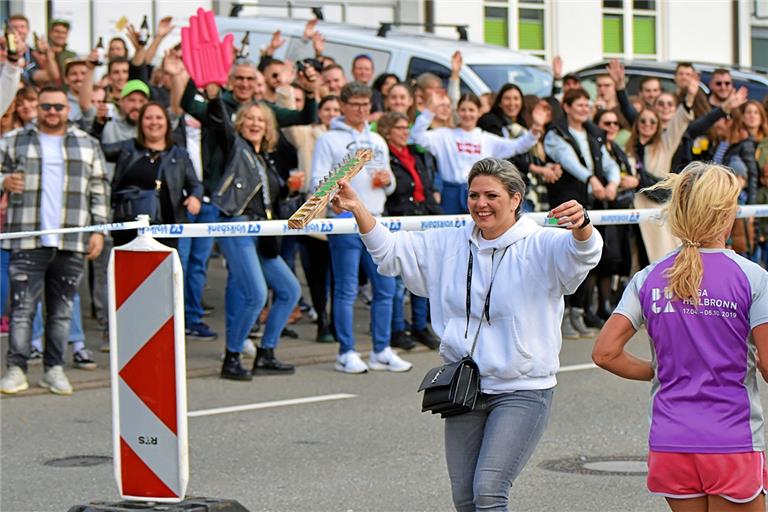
column 592, row 320
column 232, row 369
column 400, row 339
column 323, row 329
column 267, row 364
column 427, row 337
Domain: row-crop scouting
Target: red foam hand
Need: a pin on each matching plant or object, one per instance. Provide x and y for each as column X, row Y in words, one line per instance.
column 207, row 59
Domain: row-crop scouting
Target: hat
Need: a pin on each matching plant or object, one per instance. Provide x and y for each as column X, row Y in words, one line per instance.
column 73, row 60
column 132, row 86
column 59, row 21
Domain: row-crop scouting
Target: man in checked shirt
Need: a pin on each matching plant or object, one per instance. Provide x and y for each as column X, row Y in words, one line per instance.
column 55, row 174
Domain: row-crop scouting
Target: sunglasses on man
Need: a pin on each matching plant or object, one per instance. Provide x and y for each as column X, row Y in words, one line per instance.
column 58, row 107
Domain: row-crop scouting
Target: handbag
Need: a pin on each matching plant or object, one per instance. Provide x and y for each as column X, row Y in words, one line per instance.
column 132, row 201
column 453, row 388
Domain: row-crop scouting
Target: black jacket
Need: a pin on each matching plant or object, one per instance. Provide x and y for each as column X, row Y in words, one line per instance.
column 401, row 202
column 178, row 174
column 746, row 151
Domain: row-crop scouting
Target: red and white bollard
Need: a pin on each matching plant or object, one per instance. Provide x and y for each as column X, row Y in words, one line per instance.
column 148, row 371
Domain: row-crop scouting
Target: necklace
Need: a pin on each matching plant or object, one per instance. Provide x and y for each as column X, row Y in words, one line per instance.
column 153, row 155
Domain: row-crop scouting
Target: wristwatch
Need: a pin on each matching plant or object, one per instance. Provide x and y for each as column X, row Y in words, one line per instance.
column 586, row 220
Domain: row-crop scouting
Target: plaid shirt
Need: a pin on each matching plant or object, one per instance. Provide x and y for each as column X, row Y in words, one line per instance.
column 85, row 193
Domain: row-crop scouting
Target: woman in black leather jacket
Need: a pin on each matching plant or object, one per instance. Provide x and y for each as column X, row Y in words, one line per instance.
column 414, row 195
column 251, row 189
column 152, row 162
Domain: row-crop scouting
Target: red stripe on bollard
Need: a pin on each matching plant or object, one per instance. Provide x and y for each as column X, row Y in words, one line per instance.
column 138, row 479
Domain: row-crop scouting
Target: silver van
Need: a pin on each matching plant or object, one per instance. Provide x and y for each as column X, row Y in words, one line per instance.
column 406, row 54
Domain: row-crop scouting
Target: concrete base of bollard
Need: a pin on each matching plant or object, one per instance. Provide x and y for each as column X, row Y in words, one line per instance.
column 188, row 505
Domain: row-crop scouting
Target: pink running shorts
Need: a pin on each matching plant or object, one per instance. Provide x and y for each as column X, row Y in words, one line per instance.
column 737, row 477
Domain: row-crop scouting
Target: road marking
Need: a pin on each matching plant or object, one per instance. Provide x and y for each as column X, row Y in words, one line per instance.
column 269, row 405
column 577, row 367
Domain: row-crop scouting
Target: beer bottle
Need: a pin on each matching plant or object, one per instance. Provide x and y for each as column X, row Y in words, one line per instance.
column 144, row 32
column 10, row 43
column 245, row 47
column 100, row 52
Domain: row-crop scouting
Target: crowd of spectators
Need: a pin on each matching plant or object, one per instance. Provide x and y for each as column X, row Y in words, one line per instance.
column 281, row 126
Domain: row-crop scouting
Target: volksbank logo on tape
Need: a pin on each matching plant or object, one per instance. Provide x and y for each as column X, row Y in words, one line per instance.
column 656, row 298
column 254, row 228
column 229, row 228
column 393, row 225
column 621, row 218
column 436, row 224
column 161, row 229
column 177, row 229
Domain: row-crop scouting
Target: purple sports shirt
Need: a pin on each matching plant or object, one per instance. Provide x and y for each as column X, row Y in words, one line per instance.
column 704, row 397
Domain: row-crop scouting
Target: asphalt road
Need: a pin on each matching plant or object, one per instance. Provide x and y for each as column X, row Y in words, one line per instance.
column 374, row 451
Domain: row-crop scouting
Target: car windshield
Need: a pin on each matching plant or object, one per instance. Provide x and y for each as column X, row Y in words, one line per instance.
column 530, row 79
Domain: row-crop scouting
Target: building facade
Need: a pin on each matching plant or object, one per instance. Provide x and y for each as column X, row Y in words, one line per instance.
column 580, row 31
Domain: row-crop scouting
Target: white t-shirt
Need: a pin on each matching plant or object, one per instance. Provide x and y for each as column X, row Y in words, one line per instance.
column 53, row 186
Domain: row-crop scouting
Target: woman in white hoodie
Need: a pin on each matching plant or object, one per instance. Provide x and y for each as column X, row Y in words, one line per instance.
column 457, row 149
column 517, row 326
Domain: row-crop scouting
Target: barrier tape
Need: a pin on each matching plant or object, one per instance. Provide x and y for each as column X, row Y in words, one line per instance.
column 348, row 226
column 115, row 226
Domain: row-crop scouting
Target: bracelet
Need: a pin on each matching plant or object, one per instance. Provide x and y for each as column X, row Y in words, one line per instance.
column 587, row 220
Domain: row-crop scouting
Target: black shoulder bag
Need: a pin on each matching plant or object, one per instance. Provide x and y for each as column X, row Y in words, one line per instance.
column 453, row 388
column 132, row 201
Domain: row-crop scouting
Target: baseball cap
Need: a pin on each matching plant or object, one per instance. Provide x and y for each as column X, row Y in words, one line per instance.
column 132, row 86
column 74, row 60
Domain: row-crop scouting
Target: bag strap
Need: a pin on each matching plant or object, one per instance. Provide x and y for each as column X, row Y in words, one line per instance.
column 487, row 305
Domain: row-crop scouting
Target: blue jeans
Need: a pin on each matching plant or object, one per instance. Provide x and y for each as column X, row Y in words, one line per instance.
column 33, row 273
column 486, row 449
column 5, row 258
column 194, row 254
column 76, row 327
column 418, row 308
column 454, row 198
column 246, row 291
column 287, row 292
column 347, row 254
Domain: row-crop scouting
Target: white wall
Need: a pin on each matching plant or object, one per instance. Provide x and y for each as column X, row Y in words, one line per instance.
column 577, row 33
column 700, row 34
column 460, row 12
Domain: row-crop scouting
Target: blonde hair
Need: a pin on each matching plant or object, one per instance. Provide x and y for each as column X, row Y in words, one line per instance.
column 269, row 141
column 703, row 203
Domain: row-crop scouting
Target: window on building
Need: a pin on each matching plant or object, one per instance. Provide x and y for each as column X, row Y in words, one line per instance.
column 760, row 47
column 629, row 26
column 530, row 30
column 497, row 26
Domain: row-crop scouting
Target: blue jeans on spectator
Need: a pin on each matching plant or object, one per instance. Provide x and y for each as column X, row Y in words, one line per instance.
column 5, row 258
column 418, row 309
column 488, row 447
column 194, row 254
column 287, row 292
column 347, row 253
column 32, row 273
column 246, row 291
column 76, row 332
column 454, row 198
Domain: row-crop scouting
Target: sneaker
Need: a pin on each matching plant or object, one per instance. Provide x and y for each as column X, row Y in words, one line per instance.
column 289, row 333
column 312, row 314
column 56, row 382
column 249, row 349
column 388, row 360
column 401, row 339
column 577, row 320
column 104, row 347
column 201, row 331
column 83, row 360
column 13, row 381
column 35, row 357
column 255, row 332
column 350, row 362
column 566, row 327
column 365, row 294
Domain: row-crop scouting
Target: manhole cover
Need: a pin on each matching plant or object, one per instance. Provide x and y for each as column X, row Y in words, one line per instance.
column 620, row 465
column 78, row 461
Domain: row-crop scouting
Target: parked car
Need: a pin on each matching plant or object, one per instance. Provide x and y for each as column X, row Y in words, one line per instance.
column 756, row 83
column 406, row 54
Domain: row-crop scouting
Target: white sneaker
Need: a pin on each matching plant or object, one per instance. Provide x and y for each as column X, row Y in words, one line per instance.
column 350, row 362
column 14, row 381
column 249, row 349
column 56, row 382
column 388, row 360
